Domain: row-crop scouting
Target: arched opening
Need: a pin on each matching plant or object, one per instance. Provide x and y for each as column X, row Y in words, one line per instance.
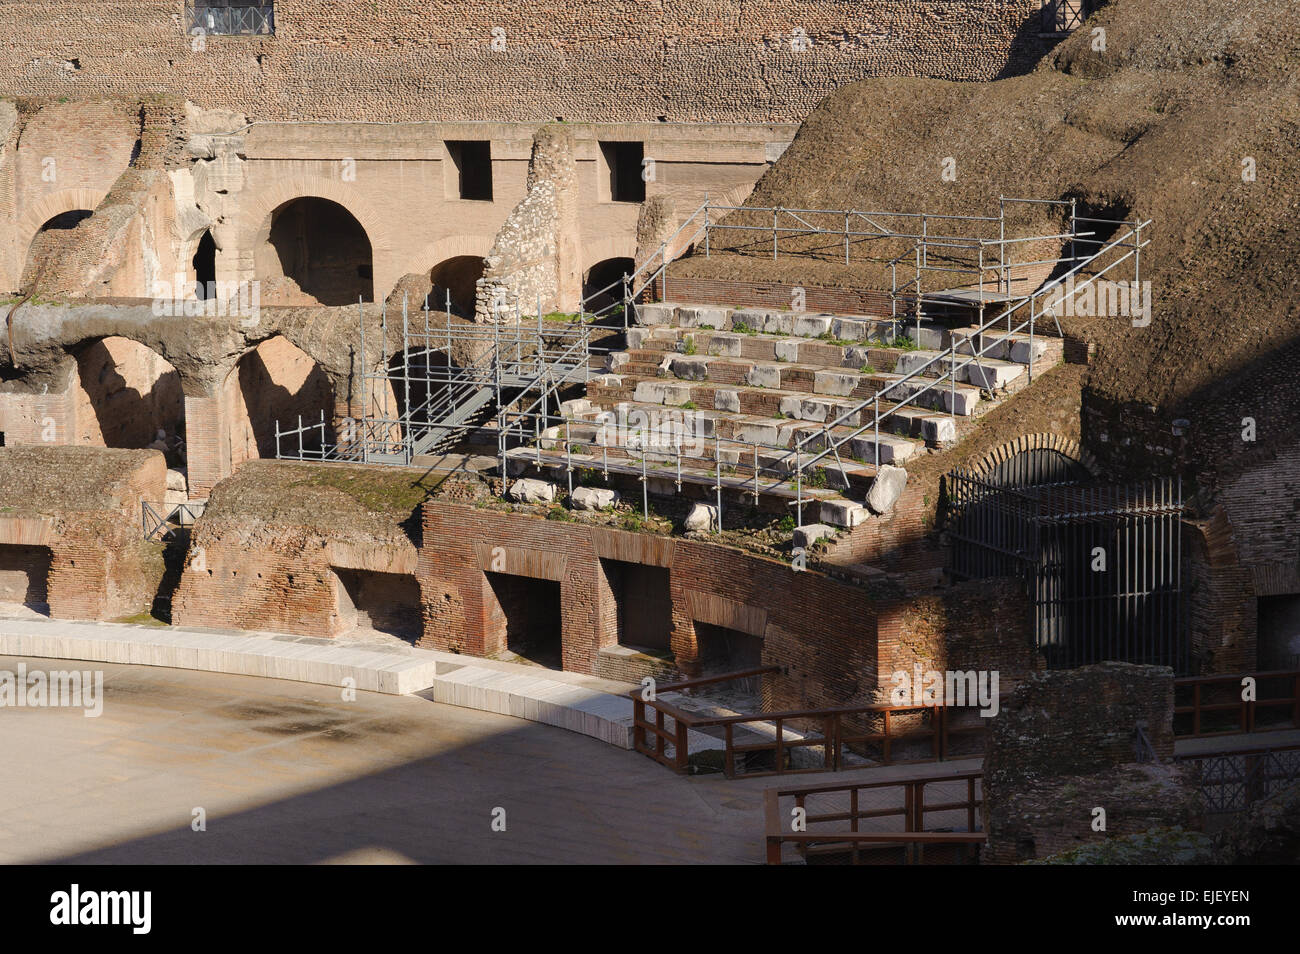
column 128, row 395
column 596, row 290
column 320, row 247
column 51, row 240
column 205, row 267
column 458, row 277
column 275, row 382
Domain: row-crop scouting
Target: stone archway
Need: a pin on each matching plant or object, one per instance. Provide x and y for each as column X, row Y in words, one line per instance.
column 128, row 395
column 259, row 211
column 37, row 217
column 319, row 246
column 273, row 384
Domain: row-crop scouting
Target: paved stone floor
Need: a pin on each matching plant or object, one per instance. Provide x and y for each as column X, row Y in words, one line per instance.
column 288, row 772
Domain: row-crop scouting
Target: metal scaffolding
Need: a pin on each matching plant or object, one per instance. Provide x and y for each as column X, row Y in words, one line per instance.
column 415, row 400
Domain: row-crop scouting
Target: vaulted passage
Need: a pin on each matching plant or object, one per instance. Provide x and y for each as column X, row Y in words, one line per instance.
column 458, row 277
column 387, row 602
column 531, row 609
column 322, row 248
column 24, row 576
column 599, row 279
column 52, row 239
column 276, row 381
column 129, row 396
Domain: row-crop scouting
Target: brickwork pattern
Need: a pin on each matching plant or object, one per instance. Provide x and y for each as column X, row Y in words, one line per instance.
column 683, row 60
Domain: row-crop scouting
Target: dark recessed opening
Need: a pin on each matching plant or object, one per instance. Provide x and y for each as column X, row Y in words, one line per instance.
column 644, row 601
column 532, row 617
column 205, row 266
column 624, row 160
column 472, row 160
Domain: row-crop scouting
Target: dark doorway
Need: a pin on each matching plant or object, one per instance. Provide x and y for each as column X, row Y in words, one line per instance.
column 24, row 576
column 603, row 286
column 644, row 601
column 472, row 162
column 458, row 278
column 324, row 249
column 386, row 602
column 624, row 161
column 1279, row 632
column 532, row 617
column 729, row 650
column 205, row 267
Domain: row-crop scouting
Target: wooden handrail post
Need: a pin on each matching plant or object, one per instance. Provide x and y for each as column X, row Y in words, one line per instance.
column 731, row 751
column 681, row 753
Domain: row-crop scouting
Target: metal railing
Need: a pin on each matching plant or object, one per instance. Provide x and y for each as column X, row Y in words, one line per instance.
column 984, row 338
column 160, row 521
column 418, row 397
column 1228, row 782
column 840, row 822
column 211, row 20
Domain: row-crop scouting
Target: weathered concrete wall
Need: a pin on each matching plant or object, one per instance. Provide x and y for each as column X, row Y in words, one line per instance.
column 680, row 61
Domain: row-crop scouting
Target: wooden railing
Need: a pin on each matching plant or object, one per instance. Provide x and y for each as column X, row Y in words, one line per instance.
column 839, row 728
column 839, row 833
column 1214, row 696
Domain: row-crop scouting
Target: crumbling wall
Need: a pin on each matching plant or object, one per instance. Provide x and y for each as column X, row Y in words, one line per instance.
column 535, row 257
column 82, row 506
column 266, row 552
column 1064, row 745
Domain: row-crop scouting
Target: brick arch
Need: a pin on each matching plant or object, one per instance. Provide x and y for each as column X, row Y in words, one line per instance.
column 1064, row 446
column 615, row 246
column 50, row 205
column 255, row 222
column 454, row 246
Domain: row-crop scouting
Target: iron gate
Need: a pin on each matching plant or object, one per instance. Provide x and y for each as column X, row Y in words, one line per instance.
column 1101, row 563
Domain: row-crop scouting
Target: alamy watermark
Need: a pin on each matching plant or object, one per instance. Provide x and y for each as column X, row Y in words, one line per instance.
column 56, row 689
column 951, row 688
column 1102, row 297
column 661, row 430
column 191, row 299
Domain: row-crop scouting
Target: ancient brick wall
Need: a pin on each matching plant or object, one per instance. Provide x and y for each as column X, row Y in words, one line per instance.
column 822, row 632
column 1063, row 745
column 681, row 60
column 979, row 625
column 88, row 522
column 535, row 256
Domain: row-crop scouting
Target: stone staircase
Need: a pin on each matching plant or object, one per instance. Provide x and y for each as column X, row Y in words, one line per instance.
column 746, row 385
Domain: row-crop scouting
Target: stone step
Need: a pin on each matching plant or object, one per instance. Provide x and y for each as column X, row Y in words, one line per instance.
column 731, row 436
column 661, row 315
column 1016, row 347
column 991, row 374
column 823, row 503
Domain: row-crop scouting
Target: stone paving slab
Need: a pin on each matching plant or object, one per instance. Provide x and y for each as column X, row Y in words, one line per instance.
column 598, row 708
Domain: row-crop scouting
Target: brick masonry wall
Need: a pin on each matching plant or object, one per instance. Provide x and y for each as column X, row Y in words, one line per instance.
column 100, row 567
column 1063, row 744
column 822, row 632
column 982, row 625
column 681, row 60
